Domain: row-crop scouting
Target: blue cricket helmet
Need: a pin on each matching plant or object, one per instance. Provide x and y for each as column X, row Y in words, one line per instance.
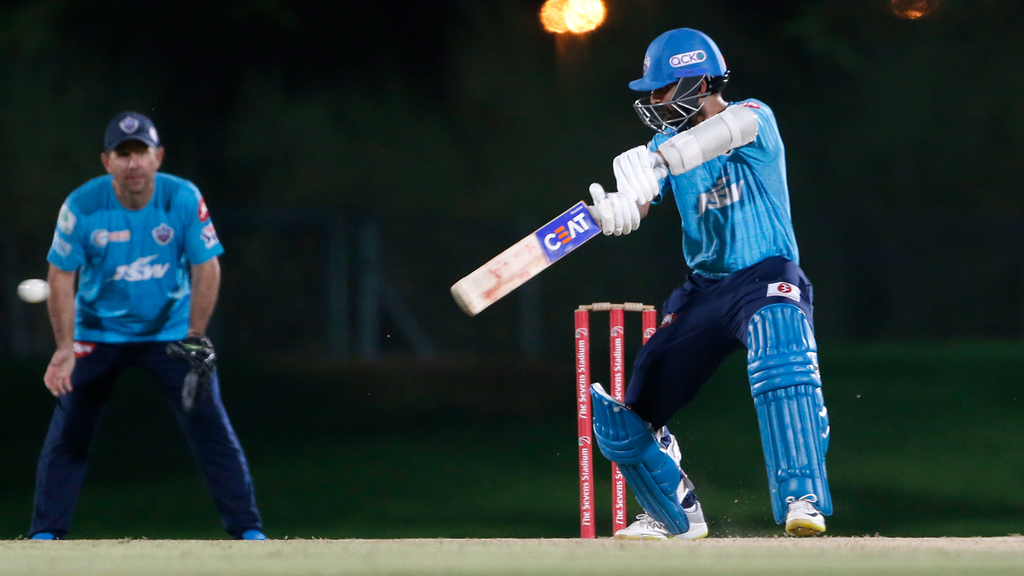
column 688, row 59
column 676, row 54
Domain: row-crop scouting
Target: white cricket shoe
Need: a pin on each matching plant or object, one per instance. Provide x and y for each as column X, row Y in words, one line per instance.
column 647, row 528
column 803, row 518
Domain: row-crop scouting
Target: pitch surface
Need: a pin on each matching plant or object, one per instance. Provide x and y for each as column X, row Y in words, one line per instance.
column 821, row 556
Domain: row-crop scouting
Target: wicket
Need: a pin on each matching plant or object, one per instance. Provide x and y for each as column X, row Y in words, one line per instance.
column 617, row 331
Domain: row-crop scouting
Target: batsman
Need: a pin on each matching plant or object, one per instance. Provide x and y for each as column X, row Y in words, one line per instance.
column 727, row 175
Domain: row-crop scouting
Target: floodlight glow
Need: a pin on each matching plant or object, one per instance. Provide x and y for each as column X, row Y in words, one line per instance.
column 575, row 16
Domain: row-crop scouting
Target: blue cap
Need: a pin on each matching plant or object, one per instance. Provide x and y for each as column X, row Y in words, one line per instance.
column 677, row 54
column 130, row 126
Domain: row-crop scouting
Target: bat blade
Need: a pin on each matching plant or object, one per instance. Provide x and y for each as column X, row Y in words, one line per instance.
column 525, row 259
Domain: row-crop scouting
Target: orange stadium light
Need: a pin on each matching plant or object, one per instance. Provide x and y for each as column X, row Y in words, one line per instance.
column 573, row 16
column 913, row 9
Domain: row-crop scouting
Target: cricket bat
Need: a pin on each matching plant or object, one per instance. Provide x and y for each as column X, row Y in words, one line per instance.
column 525, row 259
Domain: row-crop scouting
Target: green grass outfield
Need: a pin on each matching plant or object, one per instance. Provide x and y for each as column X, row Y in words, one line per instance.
column 822, row 556
column 925, row 442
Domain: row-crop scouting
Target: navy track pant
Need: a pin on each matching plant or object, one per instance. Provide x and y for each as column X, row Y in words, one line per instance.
column 704, row 322
column 207, row 430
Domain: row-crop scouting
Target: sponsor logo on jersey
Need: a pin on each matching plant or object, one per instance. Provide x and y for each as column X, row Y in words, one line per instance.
column 569, row 230
column 163, row 234
column 66, row 219
column 753, row 105
column 140, row 270
column 82, row 349
column 784, row 289
column 723, row 194
column 61, row 246
column 129, row 125
column 668, row 319
column 209, row 236
column 203, row 212
column 687, row 58
column 101, row 237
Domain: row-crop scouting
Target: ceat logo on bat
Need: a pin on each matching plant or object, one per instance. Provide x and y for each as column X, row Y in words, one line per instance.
column 569, row 230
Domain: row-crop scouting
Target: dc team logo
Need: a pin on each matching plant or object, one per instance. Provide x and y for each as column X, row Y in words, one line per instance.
column 784, row 289
column 83, row 349
column 647, row 63
column 203, row 214
column 687, row 58
column 129, row 125
column 163, row 234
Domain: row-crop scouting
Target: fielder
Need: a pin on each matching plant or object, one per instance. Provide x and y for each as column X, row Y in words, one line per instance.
column 145, row 250
column 727, row 173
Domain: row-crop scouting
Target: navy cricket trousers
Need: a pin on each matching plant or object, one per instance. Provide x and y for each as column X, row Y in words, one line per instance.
column 704, row 322
column 207, row 430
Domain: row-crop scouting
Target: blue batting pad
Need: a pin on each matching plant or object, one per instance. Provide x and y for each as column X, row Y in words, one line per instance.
column 782, row 363
column 624, row 438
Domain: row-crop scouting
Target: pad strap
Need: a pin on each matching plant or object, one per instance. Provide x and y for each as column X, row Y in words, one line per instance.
column 782, row 363
column 624, row 438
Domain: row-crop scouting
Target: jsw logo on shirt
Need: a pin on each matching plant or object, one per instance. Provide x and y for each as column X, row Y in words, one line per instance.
column 140, row 270
column 723, row 194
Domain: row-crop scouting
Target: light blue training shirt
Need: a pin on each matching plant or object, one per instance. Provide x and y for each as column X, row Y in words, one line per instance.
column 134, row 281
column 735, row 208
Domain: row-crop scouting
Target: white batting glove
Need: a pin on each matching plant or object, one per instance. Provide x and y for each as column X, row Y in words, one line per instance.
column 616, row 212
column 635, row 176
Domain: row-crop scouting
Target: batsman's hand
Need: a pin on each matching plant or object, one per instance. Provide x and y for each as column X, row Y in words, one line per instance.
column 635, row 175
column 617, row 212
column 58, row 372
column 199, row 353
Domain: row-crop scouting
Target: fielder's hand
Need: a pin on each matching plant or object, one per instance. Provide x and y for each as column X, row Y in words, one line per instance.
column 635, row 175
column 58, row 373
column 198, row 352
column 617, row 212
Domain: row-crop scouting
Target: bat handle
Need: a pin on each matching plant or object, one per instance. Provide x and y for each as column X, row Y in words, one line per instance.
column 659, row 165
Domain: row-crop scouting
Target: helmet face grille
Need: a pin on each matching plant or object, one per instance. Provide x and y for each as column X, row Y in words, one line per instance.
column 672, row 116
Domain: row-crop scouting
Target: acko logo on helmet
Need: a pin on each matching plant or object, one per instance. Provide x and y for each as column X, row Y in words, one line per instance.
column 687, row 58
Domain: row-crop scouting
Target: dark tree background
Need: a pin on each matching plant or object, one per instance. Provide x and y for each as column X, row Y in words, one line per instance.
column 457, row 125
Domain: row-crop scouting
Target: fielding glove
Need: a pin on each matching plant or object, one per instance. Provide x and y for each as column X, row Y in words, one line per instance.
column 199, row 353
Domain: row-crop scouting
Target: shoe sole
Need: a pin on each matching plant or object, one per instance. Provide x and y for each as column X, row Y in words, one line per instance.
column 694, row 533
column 803, row 528
column 638, row 538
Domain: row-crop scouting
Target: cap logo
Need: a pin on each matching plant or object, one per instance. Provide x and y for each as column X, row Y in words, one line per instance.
column 647, row 62
column 129, row 125
column 687, row 58
column 152, row 134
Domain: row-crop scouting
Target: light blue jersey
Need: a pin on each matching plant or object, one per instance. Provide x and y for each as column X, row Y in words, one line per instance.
column 134, row 280
column 735, row 208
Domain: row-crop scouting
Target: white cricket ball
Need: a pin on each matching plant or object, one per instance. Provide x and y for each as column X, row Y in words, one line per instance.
column 34, row 290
